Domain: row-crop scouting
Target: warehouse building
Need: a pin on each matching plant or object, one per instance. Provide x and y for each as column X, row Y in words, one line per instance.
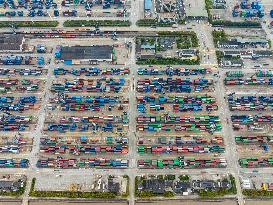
column 11, row 43
column 87, row 54
column 240, row 42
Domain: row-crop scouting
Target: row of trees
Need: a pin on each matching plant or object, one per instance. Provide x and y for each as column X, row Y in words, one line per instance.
column 257, row 193
column 28, row 24
column 168, row 61
column 218, row 36
column 153, row 22
column 79, row 23
column 237, row 24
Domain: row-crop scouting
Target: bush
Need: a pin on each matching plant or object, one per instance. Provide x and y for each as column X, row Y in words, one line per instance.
column 218, row 36
column 257, row 193
column 184, row 177
column 219, row 56
column 169, row 177
column 28, row 23
column 79, row 23
column 169, row 194
column 145, row 194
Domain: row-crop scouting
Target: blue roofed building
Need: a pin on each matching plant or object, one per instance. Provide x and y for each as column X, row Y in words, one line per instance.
column 147, row 5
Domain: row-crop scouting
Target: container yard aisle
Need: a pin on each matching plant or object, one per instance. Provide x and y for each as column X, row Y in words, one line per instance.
column 231, row 152
column 132, row 124
column 37, row 134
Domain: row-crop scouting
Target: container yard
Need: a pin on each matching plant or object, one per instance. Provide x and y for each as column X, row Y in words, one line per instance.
column 250, row 109
column 90, row 104
column 58, row 8
column 87, row 121
column 172, row 100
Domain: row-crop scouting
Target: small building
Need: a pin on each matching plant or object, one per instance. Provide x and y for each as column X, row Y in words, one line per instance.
column 262, row 54
column 232, row 63
column 145, row 56
column 246, row 54
column 156, row 186
column 147, row 47
column 240, row 42
column 148, row 5
column 246, row 184
column 231, row 53
column 204, row 184
column 232, row 44
column 113, row 187
column 12, row 43
column 182, row 186
column 9, row 185
column 166, row 10
column 251, row 41
column 166, row 43
column 219, row 4
column 225, row 184
column 187, row 53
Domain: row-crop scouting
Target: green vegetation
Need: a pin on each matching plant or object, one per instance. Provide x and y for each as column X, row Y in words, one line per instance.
column 69, row 194
column 219, row 56
column 221, row 191
column 79, row 23
column 168, row 61
column 257, row 193
column 148, row 194
column 145, row 194
column 208, row 6
column 183, row 42
column 169, row 194
column 181, row 21
column 184, row 177
column 169, row 177
column 14, row 193
column 218, row 36
column 269, row 43
column 152, row 22
column 28, row 24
